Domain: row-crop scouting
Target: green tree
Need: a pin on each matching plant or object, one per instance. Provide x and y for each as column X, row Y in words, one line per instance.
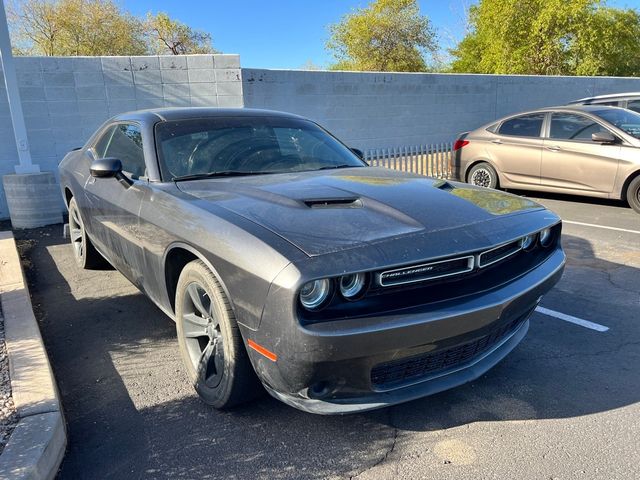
column 97, row 27
column 549, row 37
column 75, row 27
column 167, row 36
column 387, row 35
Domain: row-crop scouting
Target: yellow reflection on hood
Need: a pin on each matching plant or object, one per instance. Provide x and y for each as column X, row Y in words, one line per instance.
column 374, row 180
column 494, row 202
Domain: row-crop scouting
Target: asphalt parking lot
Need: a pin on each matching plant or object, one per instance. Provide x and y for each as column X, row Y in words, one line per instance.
column 563, row 405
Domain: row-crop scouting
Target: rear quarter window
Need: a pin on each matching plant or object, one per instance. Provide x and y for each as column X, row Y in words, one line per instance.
column 523, row 126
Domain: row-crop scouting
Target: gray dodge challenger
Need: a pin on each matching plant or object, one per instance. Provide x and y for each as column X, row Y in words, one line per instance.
column 287, row 262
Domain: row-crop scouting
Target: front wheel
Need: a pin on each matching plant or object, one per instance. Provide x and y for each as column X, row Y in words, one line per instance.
column 84, row 253
column 210, row 343
column 483, row 175
column 633, row 194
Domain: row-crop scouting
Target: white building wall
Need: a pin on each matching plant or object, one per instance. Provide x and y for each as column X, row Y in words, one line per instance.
column 65, row 99
column 378, row 110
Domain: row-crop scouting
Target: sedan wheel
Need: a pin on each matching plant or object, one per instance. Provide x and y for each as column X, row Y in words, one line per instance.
column 483, row 175
column 84, row 252
column 210, row 343
column 633, row 194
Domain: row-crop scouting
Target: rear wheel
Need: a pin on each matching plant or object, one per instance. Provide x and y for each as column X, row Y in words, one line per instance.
column 84, row 252
column 633, row 194
column 483, row 175
column 210, row 343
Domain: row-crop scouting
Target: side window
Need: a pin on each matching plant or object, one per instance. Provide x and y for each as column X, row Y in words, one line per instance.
column 524, row 126
column 634, row 105
column 569, row 126
column 102, row 144
column 126, row 144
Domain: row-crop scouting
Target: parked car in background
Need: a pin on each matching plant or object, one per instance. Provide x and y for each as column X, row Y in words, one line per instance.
column 585, row 150
column 286, row 260
column 629, row 100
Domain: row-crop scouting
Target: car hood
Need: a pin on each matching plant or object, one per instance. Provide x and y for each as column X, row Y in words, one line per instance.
column 327, row 211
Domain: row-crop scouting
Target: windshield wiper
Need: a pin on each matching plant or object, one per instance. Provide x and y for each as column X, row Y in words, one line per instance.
column 222, row 173
column 331, row 167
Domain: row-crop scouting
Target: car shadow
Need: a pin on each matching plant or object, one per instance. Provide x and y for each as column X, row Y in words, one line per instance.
column 132, row 414
column 571, row 198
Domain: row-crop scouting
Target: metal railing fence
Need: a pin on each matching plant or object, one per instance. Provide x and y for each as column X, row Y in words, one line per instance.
column 432, row 160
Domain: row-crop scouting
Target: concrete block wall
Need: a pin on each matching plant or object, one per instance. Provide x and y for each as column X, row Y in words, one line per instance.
column 378, row 110
column 65, row 99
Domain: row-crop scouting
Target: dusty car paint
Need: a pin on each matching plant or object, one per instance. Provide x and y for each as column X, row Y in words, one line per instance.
column 265, row 236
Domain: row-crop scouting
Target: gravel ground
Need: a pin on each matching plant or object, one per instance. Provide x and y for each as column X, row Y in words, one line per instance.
column 8, row 414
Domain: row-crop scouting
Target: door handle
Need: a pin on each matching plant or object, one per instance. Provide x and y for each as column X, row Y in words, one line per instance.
column 497, row 141
column 553, row 148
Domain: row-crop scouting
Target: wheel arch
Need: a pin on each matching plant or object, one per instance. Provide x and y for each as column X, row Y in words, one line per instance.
column 68, row 195
column 473, row 163
column 175, row 258
column 627, row 182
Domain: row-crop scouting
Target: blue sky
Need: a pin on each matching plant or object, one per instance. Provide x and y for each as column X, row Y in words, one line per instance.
column 289, row 33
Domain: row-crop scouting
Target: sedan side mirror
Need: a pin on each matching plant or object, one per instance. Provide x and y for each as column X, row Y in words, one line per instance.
column 358, row 152
column 603, row 137
column 109, row 168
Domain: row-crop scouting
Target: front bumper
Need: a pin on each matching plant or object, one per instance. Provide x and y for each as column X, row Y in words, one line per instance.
column 360, row 364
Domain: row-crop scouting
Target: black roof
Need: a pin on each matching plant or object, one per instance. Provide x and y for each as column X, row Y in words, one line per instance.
column 184, row 113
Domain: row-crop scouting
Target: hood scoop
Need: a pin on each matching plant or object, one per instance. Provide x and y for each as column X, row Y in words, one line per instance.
column 443, row 185
column 347, row 202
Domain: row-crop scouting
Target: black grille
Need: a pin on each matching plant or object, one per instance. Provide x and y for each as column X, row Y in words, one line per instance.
column 395, row 373
column 427, row 271
column 499, row 253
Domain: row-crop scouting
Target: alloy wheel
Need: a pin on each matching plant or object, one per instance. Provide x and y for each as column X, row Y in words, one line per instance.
column 481, row 178
column 202, row 335
column 76, row 231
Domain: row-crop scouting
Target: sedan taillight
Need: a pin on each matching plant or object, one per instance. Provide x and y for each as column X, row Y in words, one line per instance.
column 459, row 144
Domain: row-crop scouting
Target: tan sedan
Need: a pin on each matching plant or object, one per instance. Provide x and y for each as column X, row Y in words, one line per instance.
column 589, row 150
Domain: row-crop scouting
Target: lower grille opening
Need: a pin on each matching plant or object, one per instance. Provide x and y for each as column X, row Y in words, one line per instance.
column 407, row 370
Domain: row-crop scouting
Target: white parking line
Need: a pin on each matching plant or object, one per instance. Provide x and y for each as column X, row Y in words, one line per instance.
column 602, row 226
column 571, row 319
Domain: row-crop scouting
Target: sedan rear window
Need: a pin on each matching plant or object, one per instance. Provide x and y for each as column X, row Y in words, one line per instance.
column 251, row 145
column 626, row 120
column 523, row 126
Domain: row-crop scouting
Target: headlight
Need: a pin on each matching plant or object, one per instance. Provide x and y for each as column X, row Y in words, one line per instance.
column 314, row 294
column 545, row 237
column 528, row 241
column 351, row 286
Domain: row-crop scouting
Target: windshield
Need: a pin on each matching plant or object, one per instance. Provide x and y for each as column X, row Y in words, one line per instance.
column 247, row 145
column 626, row 120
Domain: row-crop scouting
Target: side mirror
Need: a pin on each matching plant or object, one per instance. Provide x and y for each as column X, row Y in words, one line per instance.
column 106, row 168
column 358, row 152
column 109, row 168
column 603, row 137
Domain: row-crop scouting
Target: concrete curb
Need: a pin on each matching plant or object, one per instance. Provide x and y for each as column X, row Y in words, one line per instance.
column 37, row 444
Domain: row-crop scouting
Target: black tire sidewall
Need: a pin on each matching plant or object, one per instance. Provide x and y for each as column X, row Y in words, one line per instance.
column 197, row 272
column 632, row 194
column 492, row 172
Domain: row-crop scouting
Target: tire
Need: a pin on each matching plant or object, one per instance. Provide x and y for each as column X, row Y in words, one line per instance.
column 483, row 175
column 633, row 194
column 85, row 254
column 210, row 342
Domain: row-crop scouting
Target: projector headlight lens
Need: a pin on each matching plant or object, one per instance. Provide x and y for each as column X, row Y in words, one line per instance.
column 314, row 294
column 528, row 241
column 545, row 237
column 351, row 286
